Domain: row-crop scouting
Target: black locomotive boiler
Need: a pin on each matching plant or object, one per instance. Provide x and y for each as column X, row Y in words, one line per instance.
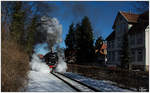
column 51, row 59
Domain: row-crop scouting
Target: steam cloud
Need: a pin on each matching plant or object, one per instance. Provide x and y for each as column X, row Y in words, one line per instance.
column 53, row 30
column 38, row 66
column 62, row 66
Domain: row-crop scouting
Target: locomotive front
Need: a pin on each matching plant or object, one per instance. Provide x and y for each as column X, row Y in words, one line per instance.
column 51, row 60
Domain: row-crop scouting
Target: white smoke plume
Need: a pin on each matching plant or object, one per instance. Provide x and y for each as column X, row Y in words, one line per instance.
column 39, row 73
column 37, row 65
column 53, row 29
column 62, row 66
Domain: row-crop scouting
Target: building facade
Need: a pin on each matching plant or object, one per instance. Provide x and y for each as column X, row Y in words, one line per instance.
column 136, row 25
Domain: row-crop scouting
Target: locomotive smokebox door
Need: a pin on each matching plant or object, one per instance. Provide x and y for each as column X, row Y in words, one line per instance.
column 51, row 59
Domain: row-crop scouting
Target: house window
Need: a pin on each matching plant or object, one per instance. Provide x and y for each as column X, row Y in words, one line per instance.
column 132, row 40
column 140, row 55
column 133, row 55
column 139, row 39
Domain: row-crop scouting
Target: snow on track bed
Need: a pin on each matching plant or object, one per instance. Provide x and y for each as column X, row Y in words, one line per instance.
column 46, row 82
column 77, row 85
column 41, row 80
column 101, row 85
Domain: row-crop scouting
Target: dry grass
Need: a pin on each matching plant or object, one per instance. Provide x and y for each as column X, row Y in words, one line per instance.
column 15, row 65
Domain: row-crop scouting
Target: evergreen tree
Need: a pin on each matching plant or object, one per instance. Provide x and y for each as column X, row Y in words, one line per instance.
column 70, row 38
column 125, row 55
column 30, row 41
column 85, row 41
column 70, row 43
column 17, row 25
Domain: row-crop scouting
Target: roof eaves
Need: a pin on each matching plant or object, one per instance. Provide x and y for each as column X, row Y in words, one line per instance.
column 124, row 16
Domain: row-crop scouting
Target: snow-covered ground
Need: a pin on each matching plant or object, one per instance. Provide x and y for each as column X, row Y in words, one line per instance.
column 40, row 79
column 102, row 85
column 45, row 82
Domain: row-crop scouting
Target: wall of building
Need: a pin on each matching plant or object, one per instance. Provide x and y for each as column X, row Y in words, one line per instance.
column 137, row 48
column 115, row 45
column 147, row 44
column 138, row 43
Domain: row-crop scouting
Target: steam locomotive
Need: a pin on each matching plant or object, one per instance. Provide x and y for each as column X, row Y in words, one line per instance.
column 51, row 60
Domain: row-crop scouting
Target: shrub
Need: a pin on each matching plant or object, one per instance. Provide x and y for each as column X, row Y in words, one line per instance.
column 15, row 65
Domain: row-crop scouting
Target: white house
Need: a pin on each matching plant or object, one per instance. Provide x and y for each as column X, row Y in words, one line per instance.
column 135, row 25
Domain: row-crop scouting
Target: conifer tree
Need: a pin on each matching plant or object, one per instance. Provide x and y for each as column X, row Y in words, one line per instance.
column 70, row 38
column 85, row 41
column 17, row 25
column 30, row 41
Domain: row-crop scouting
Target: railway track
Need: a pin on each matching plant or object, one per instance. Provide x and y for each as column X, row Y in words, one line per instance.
column 78, row 86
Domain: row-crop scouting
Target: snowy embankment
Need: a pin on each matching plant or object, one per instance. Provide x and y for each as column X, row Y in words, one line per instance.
column 40, row 79
column 102, row 85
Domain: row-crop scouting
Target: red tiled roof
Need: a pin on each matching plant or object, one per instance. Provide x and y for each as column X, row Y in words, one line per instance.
column 143, row 22
column 130, row 17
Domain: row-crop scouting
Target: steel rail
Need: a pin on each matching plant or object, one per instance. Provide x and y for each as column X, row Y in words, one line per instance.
column 96, row 90
column 66, row 82
column 74, row 87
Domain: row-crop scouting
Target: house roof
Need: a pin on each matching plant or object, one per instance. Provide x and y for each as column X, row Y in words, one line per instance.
column 130, row 17
column 143, row 22
column 111, row 36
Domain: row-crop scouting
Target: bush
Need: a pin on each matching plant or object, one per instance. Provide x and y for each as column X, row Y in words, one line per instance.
column 15, row 65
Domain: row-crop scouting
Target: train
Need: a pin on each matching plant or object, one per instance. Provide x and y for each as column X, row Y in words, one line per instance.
column 51, row 59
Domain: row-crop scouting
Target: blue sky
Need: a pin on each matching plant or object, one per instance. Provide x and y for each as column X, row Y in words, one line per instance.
column 101, row 14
